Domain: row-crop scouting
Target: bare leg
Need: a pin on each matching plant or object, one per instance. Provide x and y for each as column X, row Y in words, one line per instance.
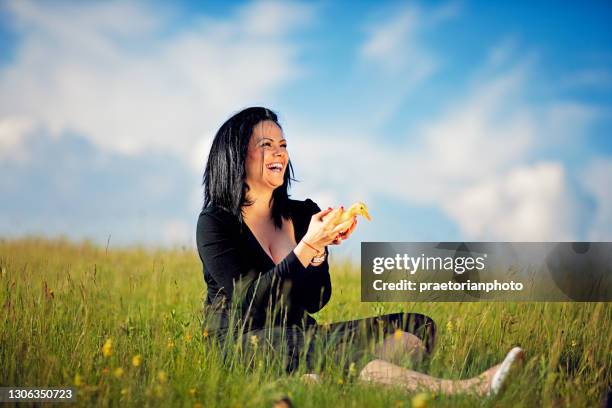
column 385, row 373
column 396, row 348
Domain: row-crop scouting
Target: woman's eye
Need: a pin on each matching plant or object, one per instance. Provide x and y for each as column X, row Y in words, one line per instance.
column 284, row 146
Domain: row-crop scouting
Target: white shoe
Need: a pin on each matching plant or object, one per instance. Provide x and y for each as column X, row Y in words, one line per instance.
column 499, row 378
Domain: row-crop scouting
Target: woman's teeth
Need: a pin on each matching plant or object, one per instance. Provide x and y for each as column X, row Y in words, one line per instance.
column 276, row 167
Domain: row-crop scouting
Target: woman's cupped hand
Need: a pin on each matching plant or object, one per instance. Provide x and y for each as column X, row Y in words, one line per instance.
column 324, row 230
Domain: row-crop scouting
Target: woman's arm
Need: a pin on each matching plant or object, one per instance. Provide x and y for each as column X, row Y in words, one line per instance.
column 317, row 287
column 314, row 287
column 219, row 251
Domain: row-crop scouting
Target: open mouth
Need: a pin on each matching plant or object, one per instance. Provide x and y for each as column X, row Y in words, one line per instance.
column 275, row 167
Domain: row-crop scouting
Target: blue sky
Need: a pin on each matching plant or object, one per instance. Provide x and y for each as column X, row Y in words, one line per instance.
column 451, row 120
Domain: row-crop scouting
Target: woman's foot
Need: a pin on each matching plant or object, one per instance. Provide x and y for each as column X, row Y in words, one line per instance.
column 513, row 359
column 491, row 381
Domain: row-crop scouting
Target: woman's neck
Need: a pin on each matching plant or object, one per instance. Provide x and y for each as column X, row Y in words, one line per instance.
column 261, row 207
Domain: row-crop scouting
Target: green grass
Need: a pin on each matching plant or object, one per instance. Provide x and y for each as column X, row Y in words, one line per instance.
column 61, row 301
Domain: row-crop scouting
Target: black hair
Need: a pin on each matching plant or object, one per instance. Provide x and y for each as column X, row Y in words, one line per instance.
column 224, row 178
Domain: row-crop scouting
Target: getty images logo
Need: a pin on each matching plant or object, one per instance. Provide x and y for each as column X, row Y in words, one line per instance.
column 412, row 264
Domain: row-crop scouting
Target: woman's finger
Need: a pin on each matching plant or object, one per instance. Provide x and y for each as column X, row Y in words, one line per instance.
column 337, row 240
column 343, row 227
column 352, row 227
column 333, row 215
column 349, row 231
column 323, row 213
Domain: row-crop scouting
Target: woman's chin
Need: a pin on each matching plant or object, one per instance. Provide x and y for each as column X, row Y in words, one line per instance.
column 275, row 183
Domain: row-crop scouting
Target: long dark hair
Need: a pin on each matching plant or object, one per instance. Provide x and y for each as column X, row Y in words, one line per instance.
column 224, row 178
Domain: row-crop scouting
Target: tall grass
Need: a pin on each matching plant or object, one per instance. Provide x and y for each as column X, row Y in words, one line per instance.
column 62, row 302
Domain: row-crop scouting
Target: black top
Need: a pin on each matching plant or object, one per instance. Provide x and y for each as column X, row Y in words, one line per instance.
column 239, row 272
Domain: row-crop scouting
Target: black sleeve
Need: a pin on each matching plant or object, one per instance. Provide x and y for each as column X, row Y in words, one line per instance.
column 220, row 253
column 314, row 290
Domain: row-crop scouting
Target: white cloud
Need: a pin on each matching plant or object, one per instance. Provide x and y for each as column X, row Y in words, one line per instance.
column 124, row 76
column 565, row 122
column 477, row 161
column 597, row 180
column 393, row 41
column 274, row 18
column 13, row 131
column 484, row 134
column 386, row 40
column 529, row 203
column 395, row 58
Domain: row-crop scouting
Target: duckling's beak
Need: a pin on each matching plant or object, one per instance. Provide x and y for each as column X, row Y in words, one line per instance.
column 366, row 214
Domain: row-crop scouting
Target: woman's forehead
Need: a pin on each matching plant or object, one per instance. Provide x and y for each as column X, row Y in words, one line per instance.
column 267, row 130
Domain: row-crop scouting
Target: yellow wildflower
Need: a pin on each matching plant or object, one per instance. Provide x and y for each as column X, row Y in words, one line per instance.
column 124, row 391
column 107, row 348
column 170, row 343
column 188, row 337
column 78, row 381
column 118, row 373
column 340, row 381
column 136, row 360
column 192, row 392
column 162, row 376
column 254, row 340
column 205, row 333
column 449, row 326
column 574, row 343
column 398, row 334
column 420, row 400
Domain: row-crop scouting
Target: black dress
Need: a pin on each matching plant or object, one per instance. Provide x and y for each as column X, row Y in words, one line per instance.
column 262, row 303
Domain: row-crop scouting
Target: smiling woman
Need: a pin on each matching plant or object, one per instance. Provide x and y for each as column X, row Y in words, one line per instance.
column 265, row 265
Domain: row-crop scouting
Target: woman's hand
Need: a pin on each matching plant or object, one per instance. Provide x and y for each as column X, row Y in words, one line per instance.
column 322, row 232
column 342, row 236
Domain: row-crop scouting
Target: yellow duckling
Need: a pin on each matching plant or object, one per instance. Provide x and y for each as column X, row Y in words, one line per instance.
column 359, row 208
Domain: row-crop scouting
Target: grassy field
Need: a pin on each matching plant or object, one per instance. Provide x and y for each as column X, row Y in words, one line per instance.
column 123, row 326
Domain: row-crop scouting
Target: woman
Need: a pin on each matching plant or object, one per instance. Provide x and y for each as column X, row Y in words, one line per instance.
column 265, row 265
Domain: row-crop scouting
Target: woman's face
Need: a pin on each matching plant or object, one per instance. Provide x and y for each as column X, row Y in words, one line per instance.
column 267, row 157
